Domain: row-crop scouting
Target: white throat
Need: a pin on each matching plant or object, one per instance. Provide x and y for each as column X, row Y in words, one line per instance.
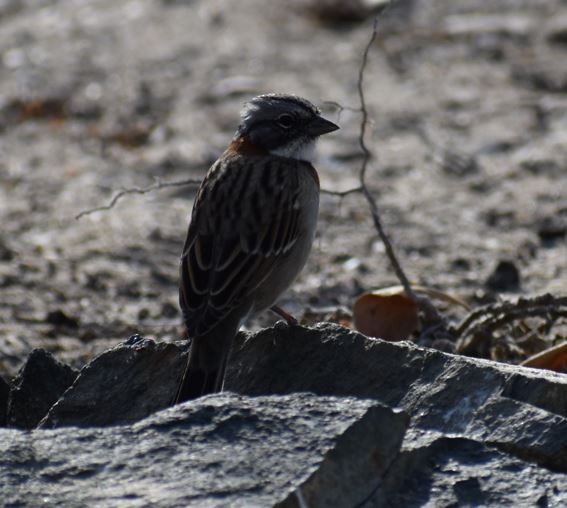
column 300, row 149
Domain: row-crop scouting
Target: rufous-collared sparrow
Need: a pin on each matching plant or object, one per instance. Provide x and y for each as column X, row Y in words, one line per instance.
column 251, row 230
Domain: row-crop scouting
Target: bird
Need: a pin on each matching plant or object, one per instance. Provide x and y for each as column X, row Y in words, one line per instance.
column 251, row 230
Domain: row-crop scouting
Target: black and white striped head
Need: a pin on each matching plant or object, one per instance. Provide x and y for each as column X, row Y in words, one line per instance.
column 284, row 125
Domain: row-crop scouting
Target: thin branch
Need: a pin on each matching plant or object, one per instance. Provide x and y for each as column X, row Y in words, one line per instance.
column 480, row 324
column 493, row 310
column 362, row 173
column 158, row 184
column 430, row 312
column 364, row 111
column 342, row 194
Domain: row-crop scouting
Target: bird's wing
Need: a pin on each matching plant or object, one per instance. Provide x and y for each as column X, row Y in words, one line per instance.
column 245, row 216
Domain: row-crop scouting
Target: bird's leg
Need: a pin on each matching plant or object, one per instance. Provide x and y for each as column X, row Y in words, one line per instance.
column 283, row 314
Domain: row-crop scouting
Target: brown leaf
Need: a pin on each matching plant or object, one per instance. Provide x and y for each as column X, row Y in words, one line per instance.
column 132, row 136
column 48, row 108
column 388, row 314
column 554, row 358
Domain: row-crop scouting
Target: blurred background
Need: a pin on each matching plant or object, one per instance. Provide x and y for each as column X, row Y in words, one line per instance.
column 468, row 130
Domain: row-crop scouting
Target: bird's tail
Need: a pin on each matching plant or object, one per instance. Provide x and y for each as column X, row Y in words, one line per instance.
column 205, row 369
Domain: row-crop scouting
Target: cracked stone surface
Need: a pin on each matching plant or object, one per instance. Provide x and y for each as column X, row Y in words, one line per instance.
column 413, row 426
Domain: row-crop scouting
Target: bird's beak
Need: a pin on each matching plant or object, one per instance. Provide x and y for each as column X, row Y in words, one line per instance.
column 320, row 126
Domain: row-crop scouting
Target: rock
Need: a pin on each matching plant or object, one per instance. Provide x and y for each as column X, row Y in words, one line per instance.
column 40, row 382
column 481, row 433
column 286, row 451
column 337, row 13
column 551, row 229
column 556, row 30
column 518, row 410
column 541, row 76
column 456, row 163
column 505, row 277
column 60, row 318
column 439, row 470
column 6, row 253
column 122, row 385
column 541, row 165
column 4, row 393
column 222, row 450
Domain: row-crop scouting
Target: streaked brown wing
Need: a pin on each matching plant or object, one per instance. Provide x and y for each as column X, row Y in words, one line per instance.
column 245, row 216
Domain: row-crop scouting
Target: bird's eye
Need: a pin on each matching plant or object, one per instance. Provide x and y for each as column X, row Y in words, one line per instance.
column 286, row 121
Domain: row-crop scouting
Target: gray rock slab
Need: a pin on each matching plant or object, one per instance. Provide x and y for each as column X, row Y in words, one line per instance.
column 4, row 393
column 481, row 433
column 331, row 359
column 439, row 470
column 38, row 385
column 520, row 410
column 122, row 385
column 221, row 450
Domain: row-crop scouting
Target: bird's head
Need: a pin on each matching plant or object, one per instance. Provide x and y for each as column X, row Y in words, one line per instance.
column 284, row 125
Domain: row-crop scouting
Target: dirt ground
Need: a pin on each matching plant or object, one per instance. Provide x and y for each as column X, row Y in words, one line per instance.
column 468, row 107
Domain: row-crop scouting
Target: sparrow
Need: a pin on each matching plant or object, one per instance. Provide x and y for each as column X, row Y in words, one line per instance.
column 251, row 230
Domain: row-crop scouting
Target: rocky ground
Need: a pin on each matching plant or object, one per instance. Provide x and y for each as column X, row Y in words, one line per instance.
column 468, row 108
column 318, row 417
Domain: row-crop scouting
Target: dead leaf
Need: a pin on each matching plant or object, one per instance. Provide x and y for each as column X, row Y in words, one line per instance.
column 132, row 136
column 387, row 314
column 554, row 358
column 47, row 108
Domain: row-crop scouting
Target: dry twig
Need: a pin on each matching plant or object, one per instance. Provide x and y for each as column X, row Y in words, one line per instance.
column 158, row 184
column 342, row 194
column 362, row 173
column 191, row 182
column 431, row 315
column 480, row 324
